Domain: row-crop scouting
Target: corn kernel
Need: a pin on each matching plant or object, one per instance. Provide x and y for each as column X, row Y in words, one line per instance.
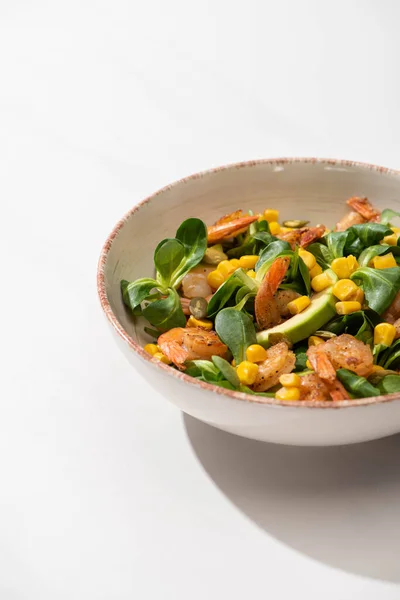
column 247, row 372
column 215, row 279
column 203, row 323
column 286, row 229
column 288, row 393
column 345, row 308
column 251, row 273
column 297, row 306
column 233, row 363
column 321, row 282
column 352, row 263
column 308, row 364
column 162, row 358
column 225, row 268
column 235, row 262
column 344, row 288
column 384, row 333
column 317, row 270
column 384, row 262
column 391, row 240
column 395, row 229
column 314, row 340
column 308, row 258
column 271, row 215
column 290, row 380
column 358, row 295
column 274, row 227
column 256, row 353
column 151, row 349
column 248, row 261
column 341, row 267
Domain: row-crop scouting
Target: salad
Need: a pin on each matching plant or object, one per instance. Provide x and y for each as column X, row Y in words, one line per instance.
column 284, row 310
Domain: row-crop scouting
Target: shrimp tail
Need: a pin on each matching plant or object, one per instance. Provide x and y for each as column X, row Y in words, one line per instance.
column 338, row 392
column 311, row 234
column 266, row 308
column 321, row 365
column 218, row 232
column 364, row 208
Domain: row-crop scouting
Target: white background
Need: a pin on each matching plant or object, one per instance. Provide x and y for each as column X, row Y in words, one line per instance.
column 107, row 491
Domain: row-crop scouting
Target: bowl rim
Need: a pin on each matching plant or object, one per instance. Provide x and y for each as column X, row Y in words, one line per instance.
column 181, row 376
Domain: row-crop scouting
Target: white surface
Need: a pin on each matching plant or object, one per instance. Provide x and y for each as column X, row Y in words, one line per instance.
column 106, row 491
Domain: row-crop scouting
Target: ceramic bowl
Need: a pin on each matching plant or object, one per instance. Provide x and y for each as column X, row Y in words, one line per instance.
column 314, row 189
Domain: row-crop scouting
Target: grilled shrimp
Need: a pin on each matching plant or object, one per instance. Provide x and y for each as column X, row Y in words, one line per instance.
column 266, row 308
column 302, row 237
column 195, row 283
column 362, row 212
column 341, row 352
column 392, row 313
column 229, row 226
column 181, row 344
column 280, row 360
column 316, row 389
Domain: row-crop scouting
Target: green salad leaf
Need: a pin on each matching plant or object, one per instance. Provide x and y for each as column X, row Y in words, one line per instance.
column 388, row 215
column 224, row 296
column 227, row 370
column 134, row 292
column 269, row 254
column 257, row 236
column 322, row 254
column 356, row 385
column 370, row 233
column 389, row 384
column 237, row 331
column 167, row 257
column 166, row 313
column 380, row 286
column 360, row 324
column 390, row 357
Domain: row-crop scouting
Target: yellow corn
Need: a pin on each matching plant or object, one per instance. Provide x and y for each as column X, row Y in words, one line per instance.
column 297, row 306
column 203, row 323
column 233, row 363
column 151, row 349
column 290, row 380
column 215, row 279
column 247, row 372
column 235, row 262
column 225, row 268
column 384, row 333
column 271, row 215
column 162, row 358
column 288, row 393
column 358, row 295
column 256, row 353
column 274, row 227
column 248, row 261
column 395, row 229
column 344, row 288
column 352, row 263
column 391, row 240
column 317, row 270
column 321, row 282
column 345, row 308
column 286, row 229
column 314, row 340
column 340, row 266
column 251, row 273
column 308, row 258
column 384, row 262
column 308, row 364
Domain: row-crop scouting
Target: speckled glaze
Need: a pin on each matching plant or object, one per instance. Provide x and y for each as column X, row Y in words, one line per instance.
column 306, row 188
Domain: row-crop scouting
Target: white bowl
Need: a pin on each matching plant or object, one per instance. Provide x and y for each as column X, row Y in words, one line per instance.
column 305, row 188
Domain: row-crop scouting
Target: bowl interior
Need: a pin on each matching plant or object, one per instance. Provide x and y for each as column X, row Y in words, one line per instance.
column 300, row 189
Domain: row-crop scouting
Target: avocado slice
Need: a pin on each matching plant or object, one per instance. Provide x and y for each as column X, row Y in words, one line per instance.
column 301, row 326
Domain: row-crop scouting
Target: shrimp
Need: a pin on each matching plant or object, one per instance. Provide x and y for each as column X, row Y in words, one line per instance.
column 226, row 229
column 364, row 208
column 195, row 283
column 316, row 389
column 362, row 212
column 302, row 237
column 280, row 360
column 341, row 352
column 266, row 309
column 282, row 299
column 181, row 344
